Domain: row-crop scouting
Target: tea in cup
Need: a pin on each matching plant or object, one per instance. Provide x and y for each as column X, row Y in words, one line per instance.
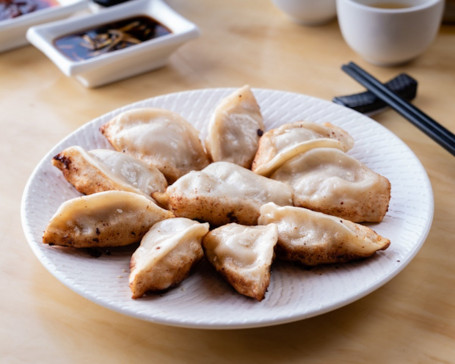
column 392, row 32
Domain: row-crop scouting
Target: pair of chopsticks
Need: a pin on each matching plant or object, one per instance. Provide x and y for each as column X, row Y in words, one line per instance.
column 425, row 123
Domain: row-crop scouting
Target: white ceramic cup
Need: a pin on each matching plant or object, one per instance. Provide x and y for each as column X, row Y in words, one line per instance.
column 308, row 12
column 387, row 37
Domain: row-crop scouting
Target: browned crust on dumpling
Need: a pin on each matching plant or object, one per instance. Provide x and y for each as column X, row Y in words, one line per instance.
column 372, row 208
column 82, row 227
column 168, row 272
column 245, row 287
column 316, row 254
column 89, row 175
column 106, row 235
column 86, row 178
column 216, row 211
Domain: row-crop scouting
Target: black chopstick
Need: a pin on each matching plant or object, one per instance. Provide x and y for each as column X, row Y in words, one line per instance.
column 433, row 124
column 425, row 123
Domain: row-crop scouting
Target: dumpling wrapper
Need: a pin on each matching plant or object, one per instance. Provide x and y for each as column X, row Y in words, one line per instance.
column 330, row 181
column 313, row 238
column 223, row 192
column 158, row 137
column 103, row 170
column 243, row 255
column 278, row 145
column 104, row 219
column 235, row 128
column 166, row 255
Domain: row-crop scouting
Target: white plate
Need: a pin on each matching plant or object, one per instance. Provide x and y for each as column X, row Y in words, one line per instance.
column 204, row 300
column 12, row 31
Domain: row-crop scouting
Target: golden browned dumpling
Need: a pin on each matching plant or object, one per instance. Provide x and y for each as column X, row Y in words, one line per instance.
column 103, row 170
column 243, row 256
column 278, row 145
column 103, row 219
column 235, row 128
column 166, row 255
column 223, row 192
column 330, row 181
column 313, row 238
column 158, row 137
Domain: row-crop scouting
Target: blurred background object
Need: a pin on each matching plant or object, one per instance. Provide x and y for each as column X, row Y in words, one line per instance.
column 449, row 12
column 308, row 12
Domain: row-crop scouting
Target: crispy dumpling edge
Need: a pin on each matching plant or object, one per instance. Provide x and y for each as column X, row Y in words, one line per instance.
column 303, row 257
column 210, row 209
column 138, row 289
column 102, row 235
column 81, row 171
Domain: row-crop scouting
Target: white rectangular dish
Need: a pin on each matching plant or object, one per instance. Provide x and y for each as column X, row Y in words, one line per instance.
column 12, row 31
column 122, row 63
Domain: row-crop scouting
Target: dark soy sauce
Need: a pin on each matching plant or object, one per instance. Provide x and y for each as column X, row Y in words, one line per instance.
column 110, row 37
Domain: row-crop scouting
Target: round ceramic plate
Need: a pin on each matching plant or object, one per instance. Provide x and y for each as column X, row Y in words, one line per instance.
column 204, row 300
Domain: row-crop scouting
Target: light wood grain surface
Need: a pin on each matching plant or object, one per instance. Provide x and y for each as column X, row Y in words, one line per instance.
column 409, row 320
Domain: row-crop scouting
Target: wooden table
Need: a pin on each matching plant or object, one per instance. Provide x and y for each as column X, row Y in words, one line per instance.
column 409, row 320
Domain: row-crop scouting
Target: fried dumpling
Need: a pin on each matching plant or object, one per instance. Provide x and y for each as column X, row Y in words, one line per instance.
column 158, row 137
column 313, row 238
column 223, row 192
column 278, row 145
column 103, row 170
column 103, row 219
column 234, row 129
column 330, row 181
column 243, row 256
column 166, row 255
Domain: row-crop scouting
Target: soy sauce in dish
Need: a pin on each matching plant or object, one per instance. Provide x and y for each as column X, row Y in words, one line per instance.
column 110, row 37
column 10, row 9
